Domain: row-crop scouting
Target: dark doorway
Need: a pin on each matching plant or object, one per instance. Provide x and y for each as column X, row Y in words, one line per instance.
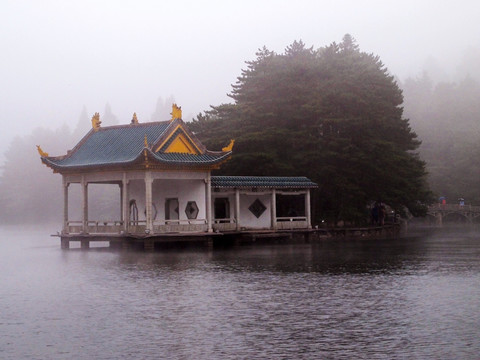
column 171, row 209
column 133, row 212
column 221, row 208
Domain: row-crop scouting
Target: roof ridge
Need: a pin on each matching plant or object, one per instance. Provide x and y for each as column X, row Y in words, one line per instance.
column 121, row 126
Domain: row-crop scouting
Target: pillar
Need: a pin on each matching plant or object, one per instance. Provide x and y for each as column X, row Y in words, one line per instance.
column 65, row 205
column 85, row 204
column 148, row 200
column 125, row 209
column 308, row 211
column 439, row 219
column 148, row 245
column 208, row 202
column 274, row 209
column 127, row 244
column 237, row 209
column 121, row 202
column 64, row 243
column 84, row 244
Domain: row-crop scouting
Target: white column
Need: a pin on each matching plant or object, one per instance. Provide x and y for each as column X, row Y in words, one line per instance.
column 120, row 187
column 85, row 204
column 65, row 205
column 308, row 213
column 125, row 209
column 148, row 200
column 274, row 209
column 237, row 208
column 208, row 202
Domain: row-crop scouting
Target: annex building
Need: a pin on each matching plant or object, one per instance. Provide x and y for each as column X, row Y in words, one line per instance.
column 165, row 187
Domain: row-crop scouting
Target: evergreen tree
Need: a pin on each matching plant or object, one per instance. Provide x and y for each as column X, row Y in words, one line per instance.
column 447, row 118
column 82, row 127
column 332, row 114
column 28, row 191
column 163, row 109
column 109, row 118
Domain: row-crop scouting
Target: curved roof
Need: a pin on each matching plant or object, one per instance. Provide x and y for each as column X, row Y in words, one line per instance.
column 129, row 144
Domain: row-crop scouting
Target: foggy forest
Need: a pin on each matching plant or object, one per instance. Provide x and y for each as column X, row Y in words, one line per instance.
column 442, row 110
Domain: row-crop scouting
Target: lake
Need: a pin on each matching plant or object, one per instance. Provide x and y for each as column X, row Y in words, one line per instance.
column 409, row 298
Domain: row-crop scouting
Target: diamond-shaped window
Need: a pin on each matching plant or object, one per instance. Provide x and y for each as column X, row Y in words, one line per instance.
column 257, row 208
column 191, row 210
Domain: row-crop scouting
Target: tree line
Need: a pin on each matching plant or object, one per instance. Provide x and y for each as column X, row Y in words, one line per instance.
column 446, row 116
column 29, row 191
column 334, row 114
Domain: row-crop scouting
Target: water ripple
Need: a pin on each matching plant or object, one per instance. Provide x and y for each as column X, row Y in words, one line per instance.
column 403, row 299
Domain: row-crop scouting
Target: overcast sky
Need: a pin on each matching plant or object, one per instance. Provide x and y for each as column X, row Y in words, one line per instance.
column 58, row 56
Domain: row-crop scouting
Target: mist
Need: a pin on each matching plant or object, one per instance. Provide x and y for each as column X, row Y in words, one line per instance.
column 61, row 57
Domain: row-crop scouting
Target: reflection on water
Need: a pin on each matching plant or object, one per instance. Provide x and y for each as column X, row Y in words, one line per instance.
column 406, row 298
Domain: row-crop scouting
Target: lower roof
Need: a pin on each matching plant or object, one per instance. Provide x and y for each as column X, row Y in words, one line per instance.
column 277, row 182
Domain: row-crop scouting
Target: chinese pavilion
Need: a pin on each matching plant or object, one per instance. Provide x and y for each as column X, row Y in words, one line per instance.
column 163, row 173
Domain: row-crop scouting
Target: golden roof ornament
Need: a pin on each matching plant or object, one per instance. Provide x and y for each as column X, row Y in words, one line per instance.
column 96, row 121
column 134, row 119
column 145, row 141
column 229, row 147
column 41, row 152
column 176, row 112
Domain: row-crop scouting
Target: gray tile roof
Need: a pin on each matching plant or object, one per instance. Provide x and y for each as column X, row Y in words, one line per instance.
column 177, row 158
column 121, row 145
column 262, row 182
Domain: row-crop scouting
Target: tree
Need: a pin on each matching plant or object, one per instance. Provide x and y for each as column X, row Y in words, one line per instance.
column 446, row 116
column 29, row 191
column 163, row 109
column 109, row 118
column 332, row 114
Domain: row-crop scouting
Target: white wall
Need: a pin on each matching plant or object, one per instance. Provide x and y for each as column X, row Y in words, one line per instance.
column 247, row 219
column 184, row 191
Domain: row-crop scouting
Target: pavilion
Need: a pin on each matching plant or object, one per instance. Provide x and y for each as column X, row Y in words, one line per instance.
column 163, row 176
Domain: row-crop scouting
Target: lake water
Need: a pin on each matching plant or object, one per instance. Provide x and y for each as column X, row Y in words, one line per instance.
column 410, row 298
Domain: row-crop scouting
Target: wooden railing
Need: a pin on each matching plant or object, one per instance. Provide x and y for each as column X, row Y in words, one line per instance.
column 226, row 224
column 105, row 227
column 95, row 227
column 183, row 225
column 168, row 226
column 454, row 207
column 292, row 222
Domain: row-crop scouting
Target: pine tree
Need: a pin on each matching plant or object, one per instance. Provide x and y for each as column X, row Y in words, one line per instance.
column 333, row 114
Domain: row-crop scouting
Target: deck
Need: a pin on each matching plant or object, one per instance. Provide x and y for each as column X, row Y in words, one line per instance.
column 149, row 242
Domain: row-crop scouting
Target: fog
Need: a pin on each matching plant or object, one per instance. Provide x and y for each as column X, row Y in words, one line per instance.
column 60, row 57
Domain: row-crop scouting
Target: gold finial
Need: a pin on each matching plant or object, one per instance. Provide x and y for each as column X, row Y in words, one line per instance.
column 229, row 147
column 96, row 121
column 146, row 141
column 134, row 119
column 176, row 112
column 41, row 152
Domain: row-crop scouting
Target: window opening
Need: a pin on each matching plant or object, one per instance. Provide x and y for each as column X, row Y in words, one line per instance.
column 191, row 210
column 257, row 208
